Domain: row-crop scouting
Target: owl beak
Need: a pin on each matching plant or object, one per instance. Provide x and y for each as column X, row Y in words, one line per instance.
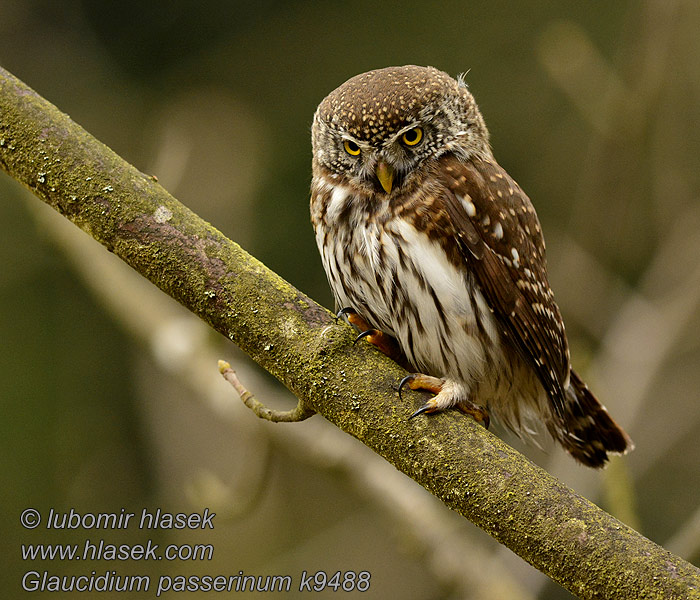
column 385, row 174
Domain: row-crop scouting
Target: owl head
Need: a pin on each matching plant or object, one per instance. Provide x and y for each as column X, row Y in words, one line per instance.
column 378, row 130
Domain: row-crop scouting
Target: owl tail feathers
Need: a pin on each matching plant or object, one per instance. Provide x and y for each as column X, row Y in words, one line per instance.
column 586, row 430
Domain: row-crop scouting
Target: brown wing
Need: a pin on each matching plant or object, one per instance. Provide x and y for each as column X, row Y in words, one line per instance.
column 501, row 241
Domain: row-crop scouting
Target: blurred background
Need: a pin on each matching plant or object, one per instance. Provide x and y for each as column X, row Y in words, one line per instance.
column 110, row 393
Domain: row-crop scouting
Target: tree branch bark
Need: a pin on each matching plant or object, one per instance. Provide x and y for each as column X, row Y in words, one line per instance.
column 560, row 533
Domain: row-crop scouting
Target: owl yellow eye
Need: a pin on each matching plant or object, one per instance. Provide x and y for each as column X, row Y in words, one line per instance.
column 412, row 137
column 351, row 148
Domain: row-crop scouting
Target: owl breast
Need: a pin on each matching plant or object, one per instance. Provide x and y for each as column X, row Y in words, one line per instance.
column 401, row 281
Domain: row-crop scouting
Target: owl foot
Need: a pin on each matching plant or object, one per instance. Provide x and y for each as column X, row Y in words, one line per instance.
column 479, row 413
column 384, row 342
column 444, row 398
column 351, row 315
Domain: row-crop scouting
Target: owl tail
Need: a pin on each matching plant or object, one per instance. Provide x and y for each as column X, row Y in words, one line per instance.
column 586, row 430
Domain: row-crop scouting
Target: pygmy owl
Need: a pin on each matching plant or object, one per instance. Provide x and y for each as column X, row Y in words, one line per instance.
column 429, row 245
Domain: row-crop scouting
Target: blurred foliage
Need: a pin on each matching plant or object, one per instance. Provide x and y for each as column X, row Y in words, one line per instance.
column 592, row 107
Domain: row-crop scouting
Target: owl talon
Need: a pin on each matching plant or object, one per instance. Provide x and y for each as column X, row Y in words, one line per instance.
column 418, row 381
column 442, row 399
column 402, row 383
column 385, row 343
column 344, row 312
column 353, row 318
column 367, row 333
column 429, row 407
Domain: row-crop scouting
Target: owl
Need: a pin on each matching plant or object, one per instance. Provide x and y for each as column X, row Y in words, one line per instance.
column 437, row 255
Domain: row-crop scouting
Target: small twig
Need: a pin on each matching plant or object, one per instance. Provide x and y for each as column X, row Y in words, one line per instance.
column 298, row 413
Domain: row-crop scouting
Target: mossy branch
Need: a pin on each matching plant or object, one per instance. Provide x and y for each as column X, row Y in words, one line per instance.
column 473, row 472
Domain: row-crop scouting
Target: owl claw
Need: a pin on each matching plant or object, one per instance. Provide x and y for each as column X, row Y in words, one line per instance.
column 367, row 333
column 353, row 318
column 429, row 407
column 402, row 383
column 344, row 312
column 384, row 342
column 381, row 340
column 442, row 399
column 418, row 381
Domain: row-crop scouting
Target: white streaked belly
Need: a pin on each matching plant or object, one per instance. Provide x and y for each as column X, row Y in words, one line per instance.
column 445, row 347
column 375, row 284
